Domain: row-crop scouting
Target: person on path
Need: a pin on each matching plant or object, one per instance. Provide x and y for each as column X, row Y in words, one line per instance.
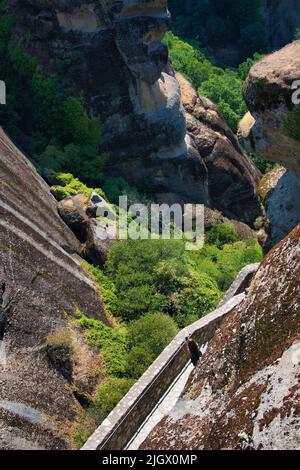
column 193, row 350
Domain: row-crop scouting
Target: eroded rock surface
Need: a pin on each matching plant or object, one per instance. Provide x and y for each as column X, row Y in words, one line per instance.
column 40, row 281
column 268, row 92
column 280, row 193
column 244, row 394
column 112, row 51
column 232, row 177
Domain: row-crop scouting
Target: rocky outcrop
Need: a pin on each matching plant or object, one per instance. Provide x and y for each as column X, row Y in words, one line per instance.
column 232, row 177
column 118, row 60
column 41, row 282
column 244, row 394
column 268, row 92
column 280, row 193
column 73, row 212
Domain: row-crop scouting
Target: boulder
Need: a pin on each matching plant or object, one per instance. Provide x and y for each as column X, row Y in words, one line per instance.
column 244, row 393
column 101, row 236
column 73, row 212
column 280, row 193
column 268, row 92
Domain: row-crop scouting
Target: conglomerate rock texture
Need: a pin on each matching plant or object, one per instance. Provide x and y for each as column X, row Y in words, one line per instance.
column 40, row 282
column 244, row 393
column 112, row 51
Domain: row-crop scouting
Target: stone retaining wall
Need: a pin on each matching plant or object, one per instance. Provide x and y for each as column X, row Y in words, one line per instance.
column 122, row 423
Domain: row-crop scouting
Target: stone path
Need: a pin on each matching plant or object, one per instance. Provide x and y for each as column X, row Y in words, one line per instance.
column 164, row 406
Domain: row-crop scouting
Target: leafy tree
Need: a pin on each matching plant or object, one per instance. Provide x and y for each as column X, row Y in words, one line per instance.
column 221, row 234
column 147, row 337
column 59, row 133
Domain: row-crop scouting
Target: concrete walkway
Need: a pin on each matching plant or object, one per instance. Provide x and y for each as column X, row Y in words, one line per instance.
column 164, row 406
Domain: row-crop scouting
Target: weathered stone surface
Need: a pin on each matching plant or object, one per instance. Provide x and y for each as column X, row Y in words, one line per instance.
column 232, row 177
column 40, row 281
column 244, row 394
column 101, row 236
column 268, row 93
column 280, row 193
column 73, row 212
column 119, row 62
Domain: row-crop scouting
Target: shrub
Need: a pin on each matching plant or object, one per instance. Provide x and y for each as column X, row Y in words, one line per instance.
column 106, row 287
column 111, row 391
column 69, row 186
column 221, row 234
column 154, row 329
column 199, row 295
column 112, row 343
column 292, row 124
column 139, row 359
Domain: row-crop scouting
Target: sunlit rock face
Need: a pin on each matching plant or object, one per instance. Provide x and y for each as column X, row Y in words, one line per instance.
column 269, row 91
column 112, row 51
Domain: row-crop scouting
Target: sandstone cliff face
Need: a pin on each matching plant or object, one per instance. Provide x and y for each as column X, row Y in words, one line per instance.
column 268, row 93
column 280, row 193
column 122, row 67
column 232, row 178
column 244, row 394
column 40, row 281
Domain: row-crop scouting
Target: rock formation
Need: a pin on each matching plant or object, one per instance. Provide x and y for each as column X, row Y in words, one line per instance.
column 40, row 282
column 280, row 194
column 268, row 92
column 232, row 178
column 244, row 394
column 119, row 62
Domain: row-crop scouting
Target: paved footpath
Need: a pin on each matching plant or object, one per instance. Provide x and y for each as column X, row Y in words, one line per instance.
column 165, row 405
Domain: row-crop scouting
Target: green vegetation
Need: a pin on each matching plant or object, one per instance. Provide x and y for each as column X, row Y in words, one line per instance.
column 66, row 185
column 292, row 124
column 52, row 125
column 112, row 342
column 147, row 337
column 222, row 234
column 222, row 23
column 222, row 86
column 153, row 288
column 297, row 33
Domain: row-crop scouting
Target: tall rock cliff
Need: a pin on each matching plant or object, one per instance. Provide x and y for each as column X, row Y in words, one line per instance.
column 270, row 131
column 41, row 282
column 122, row 67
